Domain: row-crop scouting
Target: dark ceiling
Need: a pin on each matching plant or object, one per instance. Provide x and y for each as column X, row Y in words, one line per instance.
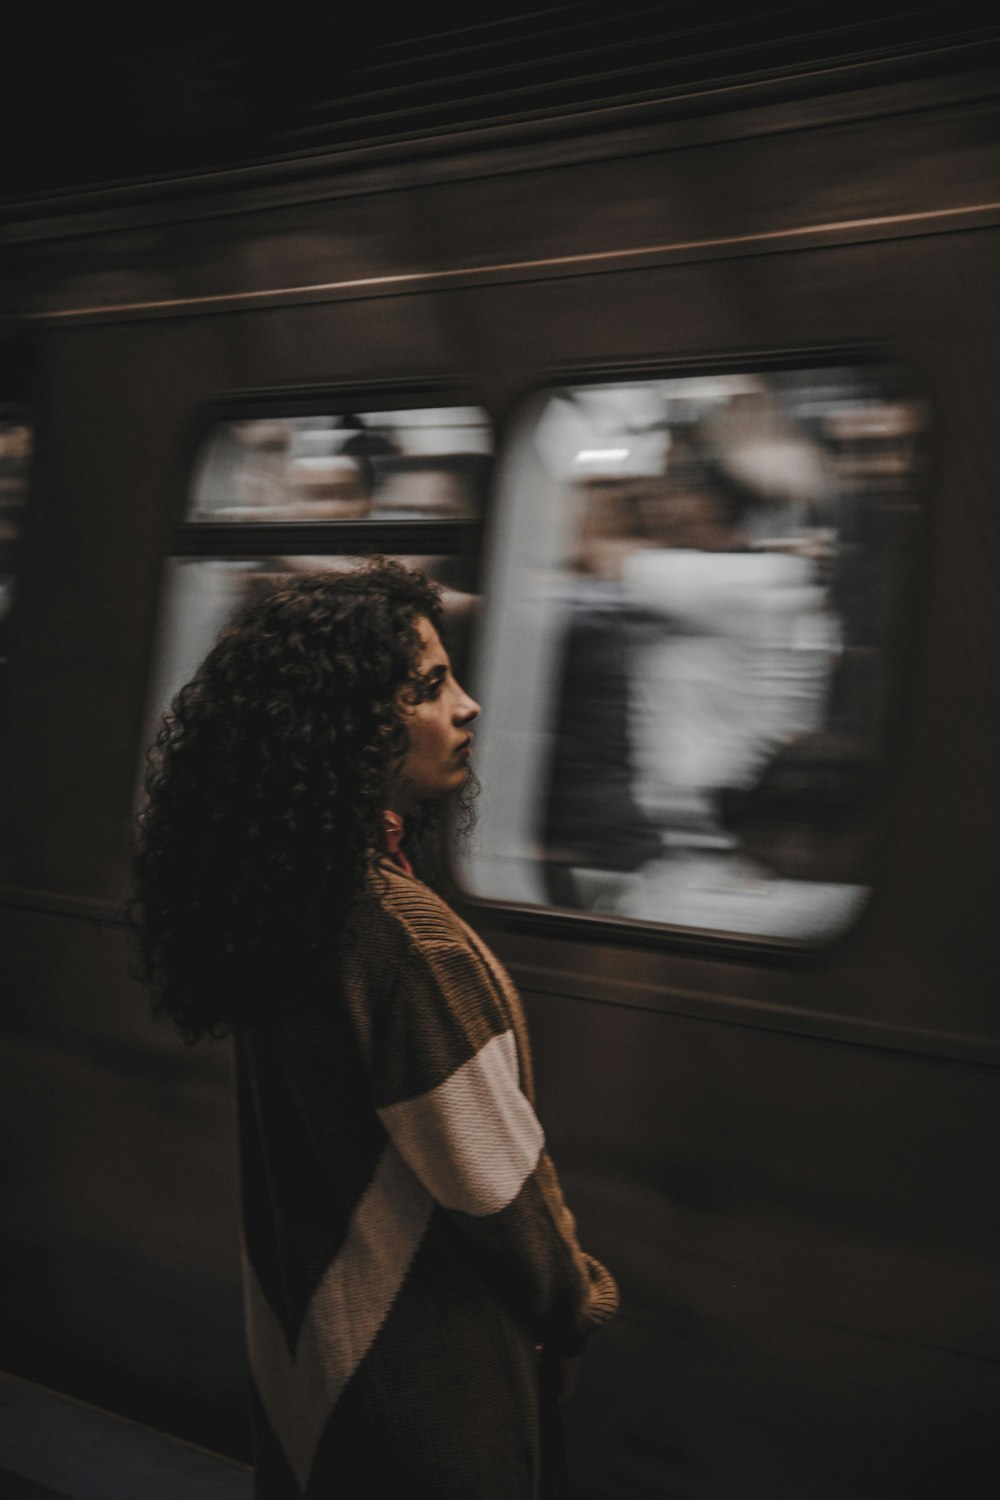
column 83, row 105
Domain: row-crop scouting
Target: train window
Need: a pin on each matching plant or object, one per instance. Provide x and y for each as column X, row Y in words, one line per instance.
column 277, row 495
column 386, row 465
column 683, row 657
column 15, row 457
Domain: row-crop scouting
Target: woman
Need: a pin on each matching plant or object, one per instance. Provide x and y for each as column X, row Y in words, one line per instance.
column 407, row 1252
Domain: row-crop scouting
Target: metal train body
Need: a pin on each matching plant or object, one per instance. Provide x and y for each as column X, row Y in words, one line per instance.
column 787, row 1153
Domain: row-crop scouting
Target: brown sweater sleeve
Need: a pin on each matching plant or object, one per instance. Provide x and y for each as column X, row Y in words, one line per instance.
column 448, row 1079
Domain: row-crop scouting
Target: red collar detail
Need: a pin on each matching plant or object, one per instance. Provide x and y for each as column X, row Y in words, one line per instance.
column 394, row 831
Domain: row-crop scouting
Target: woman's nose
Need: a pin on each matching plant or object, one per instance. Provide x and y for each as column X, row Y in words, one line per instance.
column 467, row 710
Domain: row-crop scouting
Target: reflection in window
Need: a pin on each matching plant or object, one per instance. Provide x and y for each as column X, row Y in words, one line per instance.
column 683, row 672
column 391, row 466
column 15, row 458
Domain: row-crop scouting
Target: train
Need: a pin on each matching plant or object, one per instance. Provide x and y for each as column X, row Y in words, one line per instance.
column 684, row 392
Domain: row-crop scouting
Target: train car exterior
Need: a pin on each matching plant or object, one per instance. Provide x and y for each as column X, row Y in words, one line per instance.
column 782, row 1135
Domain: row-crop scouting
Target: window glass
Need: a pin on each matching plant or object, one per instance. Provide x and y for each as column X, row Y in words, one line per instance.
column 298, row 494
column 351, row 466
column 683, row 663
column 15, row 458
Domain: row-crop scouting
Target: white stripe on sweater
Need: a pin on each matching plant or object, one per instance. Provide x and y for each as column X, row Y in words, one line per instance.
column 299, row 1387
column 475, row 1139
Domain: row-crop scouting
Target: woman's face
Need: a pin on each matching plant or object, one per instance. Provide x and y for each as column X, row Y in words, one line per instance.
column 437, row 714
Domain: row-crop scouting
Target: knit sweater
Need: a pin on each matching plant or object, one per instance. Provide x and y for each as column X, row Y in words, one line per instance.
column 406, row 1242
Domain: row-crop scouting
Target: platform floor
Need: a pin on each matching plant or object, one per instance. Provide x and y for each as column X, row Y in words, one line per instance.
column 53, row 1448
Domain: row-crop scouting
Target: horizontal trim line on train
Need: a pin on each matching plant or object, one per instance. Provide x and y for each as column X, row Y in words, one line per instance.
column 889, row 225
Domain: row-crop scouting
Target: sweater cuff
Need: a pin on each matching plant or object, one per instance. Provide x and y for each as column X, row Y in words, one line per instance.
column 601, row 1305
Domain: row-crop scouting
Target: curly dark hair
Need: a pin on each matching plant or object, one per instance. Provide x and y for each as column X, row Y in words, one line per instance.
column 265, row 790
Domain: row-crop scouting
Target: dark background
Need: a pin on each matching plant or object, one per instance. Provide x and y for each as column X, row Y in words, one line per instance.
column 87, row 102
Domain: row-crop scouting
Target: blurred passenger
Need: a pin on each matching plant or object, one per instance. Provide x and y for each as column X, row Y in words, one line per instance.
column 595, row 832
column 334, row 487
column 808, row 815
column 334, row 466
column 432, row 486
column 799, row 861
column 243, row 471
column 698, row 507
column 412, row 1274
column 374, row 453
column 743, row 657
column 875, row 452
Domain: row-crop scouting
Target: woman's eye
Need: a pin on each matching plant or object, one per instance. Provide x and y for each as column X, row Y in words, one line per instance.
column 427, row 689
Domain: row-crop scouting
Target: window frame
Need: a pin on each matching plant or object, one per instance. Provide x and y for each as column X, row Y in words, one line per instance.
column 902, row 651
column 243, row 540
column 419, row 537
